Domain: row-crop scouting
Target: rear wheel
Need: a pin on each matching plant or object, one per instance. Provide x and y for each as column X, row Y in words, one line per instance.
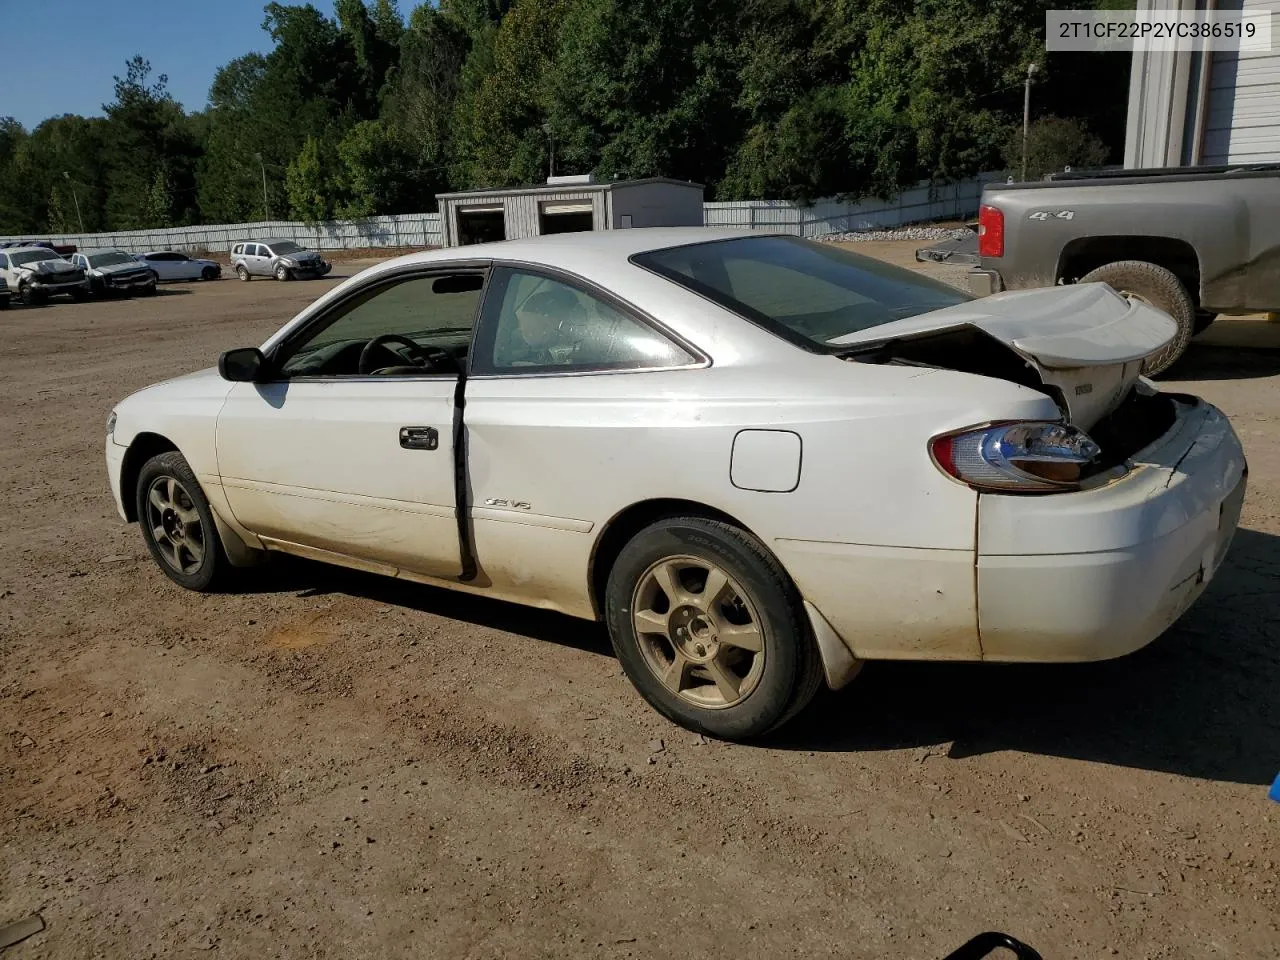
column 1160, row 288
column 710, row 629
column 242, row 273
column 177, row 524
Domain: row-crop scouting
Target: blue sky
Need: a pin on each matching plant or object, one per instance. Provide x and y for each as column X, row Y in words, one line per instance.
column 66, row 52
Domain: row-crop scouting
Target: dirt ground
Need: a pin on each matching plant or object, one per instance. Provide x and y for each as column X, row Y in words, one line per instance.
column 334, row 765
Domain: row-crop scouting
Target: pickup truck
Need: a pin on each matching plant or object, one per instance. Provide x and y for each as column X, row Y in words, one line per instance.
column 1194, row 241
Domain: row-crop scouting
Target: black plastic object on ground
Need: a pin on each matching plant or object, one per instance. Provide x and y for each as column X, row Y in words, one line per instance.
column 986, row 945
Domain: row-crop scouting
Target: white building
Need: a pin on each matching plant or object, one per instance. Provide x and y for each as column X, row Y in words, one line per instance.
column 1205, row 108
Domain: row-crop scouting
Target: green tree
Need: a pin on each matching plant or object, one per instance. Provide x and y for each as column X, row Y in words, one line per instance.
column 309, row 183
column 422, row 90
column 498, row 122
column 1053, row 143
column 151, row 156
column 647, row 88
column 377, row 172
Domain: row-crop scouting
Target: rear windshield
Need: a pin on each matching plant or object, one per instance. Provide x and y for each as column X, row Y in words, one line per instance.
column 809, row 293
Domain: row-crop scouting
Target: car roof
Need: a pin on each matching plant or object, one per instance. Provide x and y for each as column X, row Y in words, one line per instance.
column 30, row 248
column 269, row 241
column 93, row 251
column 569, row 250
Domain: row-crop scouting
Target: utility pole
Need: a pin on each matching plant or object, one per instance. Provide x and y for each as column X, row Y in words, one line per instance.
column 1026, row 114
column 546, row 128
column 266, row 205
column 74, row 199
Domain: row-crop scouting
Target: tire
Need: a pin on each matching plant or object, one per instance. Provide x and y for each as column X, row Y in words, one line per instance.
column 242, row 273
column 201, row 564
column 208, row 273
column 149, row 290
column 1162, row 289
column 30, row 297
column 79, row 295
column 282, row 273
column 779, row 680
column 4, row 303
column 1204, row 319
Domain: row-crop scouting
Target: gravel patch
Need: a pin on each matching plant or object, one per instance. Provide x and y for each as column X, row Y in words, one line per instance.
column 901, row 233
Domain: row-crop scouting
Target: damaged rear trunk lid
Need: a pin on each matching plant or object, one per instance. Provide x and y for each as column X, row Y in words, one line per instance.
column 1083, row 344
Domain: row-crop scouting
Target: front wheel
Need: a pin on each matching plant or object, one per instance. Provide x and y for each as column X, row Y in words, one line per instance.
column 242, row 273
column 1161, row 288
column 177, row 524
column 30, row 297
column 209, row 273
column 282, row 273
column 710, row 629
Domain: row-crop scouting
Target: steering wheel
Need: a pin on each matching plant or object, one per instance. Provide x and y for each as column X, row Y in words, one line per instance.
column 416, row 353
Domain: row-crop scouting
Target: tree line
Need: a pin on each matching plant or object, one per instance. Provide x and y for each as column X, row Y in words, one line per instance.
column 367, row 112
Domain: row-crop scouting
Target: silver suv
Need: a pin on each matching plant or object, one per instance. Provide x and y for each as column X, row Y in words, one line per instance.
column 282, row 259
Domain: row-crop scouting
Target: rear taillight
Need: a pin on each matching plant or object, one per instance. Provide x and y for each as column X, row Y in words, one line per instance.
column 1026, row 457
column 990, row 231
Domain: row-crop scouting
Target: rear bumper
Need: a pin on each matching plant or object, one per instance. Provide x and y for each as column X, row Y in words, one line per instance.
column 983, row 283
column 1100, row 573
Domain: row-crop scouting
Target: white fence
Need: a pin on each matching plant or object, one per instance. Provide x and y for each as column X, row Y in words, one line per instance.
column 926, row 201
column 406, row 230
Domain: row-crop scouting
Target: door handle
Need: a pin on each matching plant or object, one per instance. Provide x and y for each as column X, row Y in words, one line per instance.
column 419, row 438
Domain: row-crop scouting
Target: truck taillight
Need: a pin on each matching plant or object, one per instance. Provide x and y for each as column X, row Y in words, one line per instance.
column 990, row 231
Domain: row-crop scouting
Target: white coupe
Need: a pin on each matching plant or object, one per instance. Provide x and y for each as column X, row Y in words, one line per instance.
column 760, row 460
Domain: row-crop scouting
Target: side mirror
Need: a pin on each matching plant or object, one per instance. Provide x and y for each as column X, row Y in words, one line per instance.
column 242, row 365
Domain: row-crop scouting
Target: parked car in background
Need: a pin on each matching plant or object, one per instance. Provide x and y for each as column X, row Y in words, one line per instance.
column 115, row 271
column 37, row 273
column 174, row 265
column 760, row 460
column 62, row 248
column 282, row 259
column 1194, row 241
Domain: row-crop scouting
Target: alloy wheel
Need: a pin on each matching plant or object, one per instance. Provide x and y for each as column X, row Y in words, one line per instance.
column 698, row 632
column 175, row 525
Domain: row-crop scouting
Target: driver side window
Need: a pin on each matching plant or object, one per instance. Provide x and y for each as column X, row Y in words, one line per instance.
column 416, row 326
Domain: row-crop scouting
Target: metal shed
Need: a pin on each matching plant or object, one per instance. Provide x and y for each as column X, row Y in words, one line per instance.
column 566, row 205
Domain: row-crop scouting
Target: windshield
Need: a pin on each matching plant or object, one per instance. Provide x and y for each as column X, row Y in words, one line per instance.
column 33, row 256
column 806, row 292
column 107, row 259
column 285, row 246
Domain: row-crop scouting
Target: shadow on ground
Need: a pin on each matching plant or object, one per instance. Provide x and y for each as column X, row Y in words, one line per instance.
column 1231, row 349
column 1200, row 702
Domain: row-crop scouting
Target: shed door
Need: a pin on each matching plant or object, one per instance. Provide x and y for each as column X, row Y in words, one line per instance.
column 1243, row 123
